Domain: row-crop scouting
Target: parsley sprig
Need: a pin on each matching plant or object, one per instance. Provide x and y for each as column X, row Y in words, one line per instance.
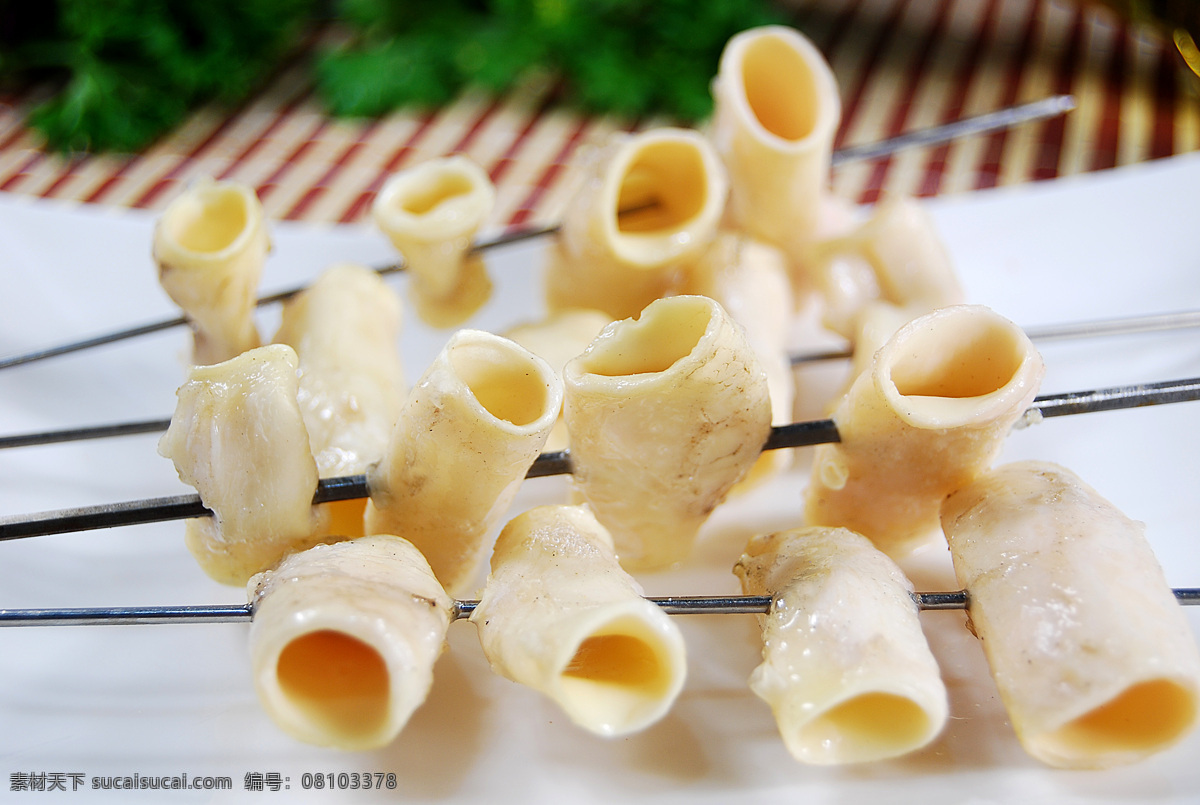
column 127, row 71
column 629, row 57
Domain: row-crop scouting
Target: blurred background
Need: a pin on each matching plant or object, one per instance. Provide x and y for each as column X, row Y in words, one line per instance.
column 315, row 103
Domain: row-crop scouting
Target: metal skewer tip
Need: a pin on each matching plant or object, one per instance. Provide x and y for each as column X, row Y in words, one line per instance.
column 938, row 135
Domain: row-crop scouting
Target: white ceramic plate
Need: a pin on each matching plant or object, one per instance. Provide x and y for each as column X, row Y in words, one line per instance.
column 170, row 700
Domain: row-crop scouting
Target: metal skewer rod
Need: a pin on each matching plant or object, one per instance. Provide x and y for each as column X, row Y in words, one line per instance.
column 244, row 613
column 797, row 434
column 114, row 616
column 1093, row 328
column 84, row 433
column 1116, row 398
column 993, row 121
column 1124, row 325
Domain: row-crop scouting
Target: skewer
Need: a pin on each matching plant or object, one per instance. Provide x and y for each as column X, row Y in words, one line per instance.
column 992, row 121
column 84, row 433
column 1124, row 325
column 1121, row 325
column 937, row 135
column 797, row 434
column 244, row 613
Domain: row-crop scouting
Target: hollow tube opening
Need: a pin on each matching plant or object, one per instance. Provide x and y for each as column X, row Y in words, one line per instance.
column 961, row 358
column 209, row 223
column 1140, row 719
column 337, row 682
column 664, row 187
column 507, row 384
column 620, row 677
column 780, row 88
column 421, row 198
column 667, row 332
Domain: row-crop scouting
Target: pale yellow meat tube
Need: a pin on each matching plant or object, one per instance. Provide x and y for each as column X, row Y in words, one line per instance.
column 846, row 668
column 776, row 113
column 345, row 329
column 431, row 213
column 238, row 437
column 648, row 206
column 466, row 436
column 665, row 414
column 1093, row 657
column 927, row 417
column 560, row 615
column 344, row 639
column 210, row 246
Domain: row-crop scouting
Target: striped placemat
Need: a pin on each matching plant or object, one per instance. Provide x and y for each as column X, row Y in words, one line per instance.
column 901, row 64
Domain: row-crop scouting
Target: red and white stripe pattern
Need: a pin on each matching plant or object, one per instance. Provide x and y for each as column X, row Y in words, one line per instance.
column 901, row 64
